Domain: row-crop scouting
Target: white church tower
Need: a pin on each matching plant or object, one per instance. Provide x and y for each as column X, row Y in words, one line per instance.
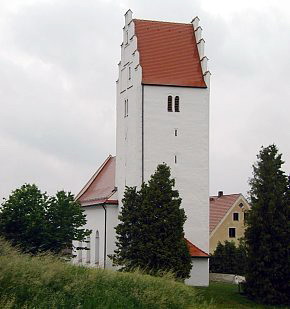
column 163, row 116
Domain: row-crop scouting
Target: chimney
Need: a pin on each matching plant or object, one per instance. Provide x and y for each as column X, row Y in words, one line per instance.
column 220, row 193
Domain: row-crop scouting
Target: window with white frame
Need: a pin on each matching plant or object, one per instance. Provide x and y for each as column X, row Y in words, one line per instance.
column 232, row 232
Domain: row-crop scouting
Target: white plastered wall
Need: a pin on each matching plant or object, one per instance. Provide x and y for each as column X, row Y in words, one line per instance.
column 199, row 272
column 190, row 146
column 95, row 216
column 129, row 128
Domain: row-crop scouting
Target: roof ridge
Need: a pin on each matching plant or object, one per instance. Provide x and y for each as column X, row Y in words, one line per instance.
column 161, row 21
column 226, row 195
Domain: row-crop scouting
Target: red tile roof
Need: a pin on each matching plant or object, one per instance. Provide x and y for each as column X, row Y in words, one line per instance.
column 194, row 250
column 168, row 54
column 101, row 186
column 218, row 207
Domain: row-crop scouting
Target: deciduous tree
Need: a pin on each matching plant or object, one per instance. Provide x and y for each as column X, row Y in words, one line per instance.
column 37, row 223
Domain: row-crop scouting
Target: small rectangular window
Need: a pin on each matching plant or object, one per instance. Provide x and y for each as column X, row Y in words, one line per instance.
column 232, row 232
column 175, row 132
column 126, row 108
column 127, row 37
column 246, row 215
column 175, row 159
column 236, row 216
column 129, row 73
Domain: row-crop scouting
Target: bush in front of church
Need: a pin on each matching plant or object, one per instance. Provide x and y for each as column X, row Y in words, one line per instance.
column 150, row 235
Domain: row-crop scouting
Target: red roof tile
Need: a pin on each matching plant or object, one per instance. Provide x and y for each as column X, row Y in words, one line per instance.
column 168, row 54
column 194, row 251
column 218, row 207
column 101, row 186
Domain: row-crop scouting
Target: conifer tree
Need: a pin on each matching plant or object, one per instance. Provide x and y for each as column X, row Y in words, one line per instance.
column 150, row 235
column 268, row 231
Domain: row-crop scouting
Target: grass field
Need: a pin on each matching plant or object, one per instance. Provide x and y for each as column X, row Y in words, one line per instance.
column 47, row 282
column 225, row 295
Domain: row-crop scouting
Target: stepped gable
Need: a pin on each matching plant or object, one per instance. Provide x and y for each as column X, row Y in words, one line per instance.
column 168, row 54
column 218, row 207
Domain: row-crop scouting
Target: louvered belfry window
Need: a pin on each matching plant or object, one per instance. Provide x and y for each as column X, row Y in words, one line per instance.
column 176, row 104
column 169, row 104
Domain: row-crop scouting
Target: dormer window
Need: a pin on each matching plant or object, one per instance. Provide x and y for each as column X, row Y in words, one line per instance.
column 176, row 104
column 169, row 103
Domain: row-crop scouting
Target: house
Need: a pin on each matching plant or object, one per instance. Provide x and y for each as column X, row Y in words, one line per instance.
column 227, row 218
column 162, row 116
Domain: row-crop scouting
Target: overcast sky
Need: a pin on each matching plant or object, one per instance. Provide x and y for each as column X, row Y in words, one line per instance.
column 58, row 66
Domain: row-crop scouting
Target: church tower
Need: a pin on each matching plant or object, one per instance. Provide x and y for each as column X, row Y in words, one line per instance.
column 163, row 115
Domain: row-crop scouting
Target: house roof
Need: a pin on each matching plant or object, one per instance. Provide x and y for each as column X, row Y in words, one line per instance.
column 194, row 251
column 101, row 187
column 168, row 54
column 218, row 207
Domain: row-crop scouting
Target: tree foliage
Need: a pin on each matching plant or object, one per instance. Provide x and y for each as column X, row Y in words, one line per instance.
column 267, row 235
column 36, row 222
column 228, row 258
column 150, row 235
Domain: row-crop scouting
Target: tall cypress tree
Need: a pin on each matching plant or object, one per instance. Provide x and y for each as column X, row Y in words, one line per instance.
column 150, row 235
column 267, row 235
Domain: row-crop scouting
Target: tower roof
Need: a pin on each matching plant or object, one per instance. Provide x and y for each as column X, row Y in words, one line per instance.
column 168, row 54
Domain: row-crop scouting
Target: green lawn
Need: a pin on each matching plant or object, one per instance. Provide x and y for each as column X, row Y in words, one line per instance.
column 225, row 295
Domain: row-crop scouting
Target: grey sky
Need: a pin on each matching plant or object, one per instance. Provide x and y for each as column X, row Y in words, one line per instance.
column 58, row 66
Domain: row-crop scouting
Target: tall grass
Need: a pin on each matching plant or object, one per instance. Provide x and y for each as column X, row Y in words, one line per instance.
column 48, row 282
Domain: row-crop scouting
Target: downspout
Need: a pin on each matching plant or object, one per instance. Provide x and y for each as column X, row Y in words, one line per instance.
column 105, row 236
column 142, row 133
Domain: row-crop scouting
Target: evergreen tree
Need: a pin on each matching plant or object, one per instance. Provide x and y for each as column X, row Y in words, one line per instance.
column 37, row 223
column 228, row 259
column 150, row 235
column 268, row 231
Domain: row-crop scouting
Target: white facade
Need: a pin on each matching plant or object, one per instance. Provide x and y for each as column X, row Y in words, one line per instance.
column 146, row 137
column 96, row 255
column 199, row 274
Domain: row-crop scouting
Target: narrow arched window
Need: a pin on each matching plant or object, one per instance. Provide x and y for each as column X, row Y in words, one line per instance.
column 88, row 249
column 176, row 104
column 97, row 248
column 169, row 104
column 79, row 251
